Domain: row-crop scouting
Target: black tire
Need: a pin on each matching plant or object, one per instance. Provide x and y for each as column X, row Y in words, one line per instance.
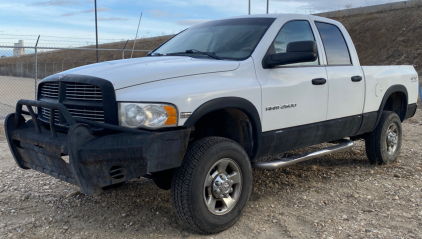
column 188, row 185
column 376, row 142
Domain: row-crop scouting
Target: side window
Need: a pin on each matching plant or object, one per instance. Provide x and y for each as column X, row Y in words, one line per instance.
column 335, row 46
column 291, row 32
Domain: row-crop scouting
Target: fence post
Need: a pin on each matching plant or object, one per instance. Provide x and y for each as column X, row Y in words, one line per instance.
column 36, row 66
column 123, row 50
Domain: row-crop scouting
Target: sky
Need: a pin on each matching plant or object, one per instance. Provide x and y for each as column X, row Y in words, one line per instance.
column 63, row 23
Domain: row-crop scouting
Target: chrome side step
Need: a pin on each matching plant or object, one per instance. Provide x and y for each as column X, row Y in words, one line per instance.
column 343, row 145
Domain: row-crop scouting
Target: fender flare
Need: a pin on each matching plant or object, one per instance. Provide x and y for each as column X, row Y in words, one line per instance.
column 388, row 93
column 235, row 103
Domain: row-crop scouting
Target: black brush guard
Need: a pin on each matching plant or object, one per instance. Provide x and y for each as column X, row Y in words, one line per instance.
column 94, row 161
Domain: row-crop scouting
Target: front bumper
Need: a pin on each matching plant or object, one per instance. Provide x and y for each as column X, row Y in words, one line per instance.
column 94, row 161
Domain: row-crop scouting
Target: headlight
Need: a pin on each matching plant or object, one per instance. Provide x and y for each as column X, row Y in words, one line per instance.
column 137, row 115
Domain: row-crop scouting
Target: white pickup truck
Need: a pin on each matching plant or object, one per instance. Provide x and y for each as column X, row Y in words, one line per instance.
column 197, row 112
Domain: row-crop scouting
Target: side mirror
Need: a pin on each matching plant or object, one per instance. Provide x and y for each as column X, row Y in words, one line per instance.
column 296, row 52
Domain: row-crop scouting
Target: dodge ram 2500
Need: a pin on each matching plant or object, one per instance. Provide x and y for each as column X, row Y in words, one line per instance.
column 198, row 111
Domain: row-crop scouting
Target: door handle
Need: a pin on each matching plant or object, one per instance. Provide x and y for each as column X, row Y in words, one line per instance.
column 319, row 81
column 356, row 78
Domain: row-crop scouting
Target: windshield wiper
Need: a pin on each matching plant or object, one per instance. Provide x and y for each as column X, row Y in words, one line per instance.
column 155, row 54
column 209, row 54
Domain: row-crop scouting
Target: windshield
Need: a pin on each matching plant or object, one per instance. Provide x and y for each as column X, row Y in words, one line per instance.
column 226, row 39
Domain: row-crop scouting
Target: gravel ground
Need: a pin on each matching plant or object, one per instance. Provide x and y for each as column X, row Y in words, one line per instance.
column 338, row 196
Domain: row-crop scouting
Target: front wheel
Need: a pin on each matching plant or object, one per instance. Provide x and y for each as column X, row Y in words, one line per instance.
column 384, row 143
column 212, row 187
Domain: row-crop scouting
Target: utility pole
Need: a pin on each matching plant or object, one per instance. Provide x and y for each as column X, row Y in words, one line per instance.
column 268, row 5
column 96, row 27
column 249, row 7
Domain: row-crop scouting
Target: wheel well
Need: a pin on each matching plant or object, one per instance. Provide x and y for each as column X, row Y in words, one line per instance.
column 228, row 123
column 397, row 103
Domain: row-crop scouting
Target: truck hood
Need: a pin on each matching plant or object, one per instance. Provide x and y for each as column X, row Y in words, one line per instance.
column 131, row 72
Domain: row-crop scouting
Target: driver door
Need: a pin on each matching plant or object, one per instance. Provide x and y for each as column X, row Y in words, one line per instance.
column 294, row 108
column 292, row 84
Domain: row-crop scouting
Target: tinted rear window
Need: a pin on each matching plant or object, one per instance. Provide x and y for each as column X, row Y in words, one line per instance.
column 335, row 46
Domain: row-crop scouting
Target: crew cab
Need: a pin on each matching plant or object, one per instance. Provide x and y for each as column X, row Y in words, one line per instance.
column 197, row 113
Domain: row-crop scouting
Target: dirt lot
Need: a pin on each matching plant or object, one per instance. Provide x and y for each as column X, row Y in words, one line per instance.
column 338, row 196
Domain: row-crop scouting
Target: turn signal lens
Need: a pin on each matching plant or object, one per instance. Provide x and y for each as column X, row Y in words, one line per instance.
column 171, row 115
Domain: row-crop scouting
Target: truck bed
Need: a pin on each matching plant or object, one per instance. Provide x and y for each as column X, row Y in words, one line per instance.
column 380, row 78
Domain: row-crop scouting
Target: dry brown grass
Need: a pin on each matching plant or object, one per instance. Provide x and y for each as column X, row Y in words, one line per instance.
column 90, row 56
column 388, row 37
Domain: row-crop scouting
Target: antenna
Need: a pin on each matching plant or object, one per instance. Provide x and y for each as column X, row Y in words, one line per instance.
column 268, row 5
column 136, row 36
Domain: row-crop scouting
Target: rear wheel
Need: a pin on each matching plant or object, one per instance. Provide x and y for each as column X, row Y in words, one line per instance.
column 384, row 143
column 212, row 187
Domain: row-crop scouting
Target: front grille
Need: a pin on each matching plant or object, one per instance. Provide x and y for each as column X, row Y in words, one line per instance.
column 84, row 101
column 45, row 112
column 79, row 91
column 89, row 114
column 50, row 90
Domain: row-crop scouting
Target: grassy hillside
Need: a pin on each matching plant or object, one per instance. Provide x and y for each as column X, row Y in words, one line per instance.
column 388, row 37
column 50, row 62
column 81, row 55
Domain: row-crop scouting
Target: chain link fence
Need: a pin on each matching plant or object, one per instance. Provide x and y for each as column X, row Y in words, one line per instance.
column 20, row 75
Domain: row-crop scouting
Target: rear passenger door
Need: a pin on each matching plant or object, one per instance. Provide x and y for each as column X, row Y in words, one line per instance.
column 344, row 74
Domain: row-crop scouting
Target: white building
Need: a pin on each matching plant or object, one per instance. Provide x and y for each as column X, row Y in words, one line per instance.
column 18, row 50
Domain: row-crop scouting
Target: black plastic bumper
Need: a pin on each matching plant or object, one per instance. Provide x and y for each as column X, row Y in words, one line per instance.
column 94, row 161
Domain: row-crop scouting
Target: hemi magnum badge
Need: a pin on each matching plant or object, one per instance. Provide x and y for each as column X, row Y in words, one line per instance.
column 185, row 114
column 280, row 107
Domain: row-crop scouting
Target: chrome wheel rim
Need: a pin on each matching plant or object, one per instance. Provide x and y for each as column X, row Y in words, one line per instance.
column 222, row 186
column 392, row 138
